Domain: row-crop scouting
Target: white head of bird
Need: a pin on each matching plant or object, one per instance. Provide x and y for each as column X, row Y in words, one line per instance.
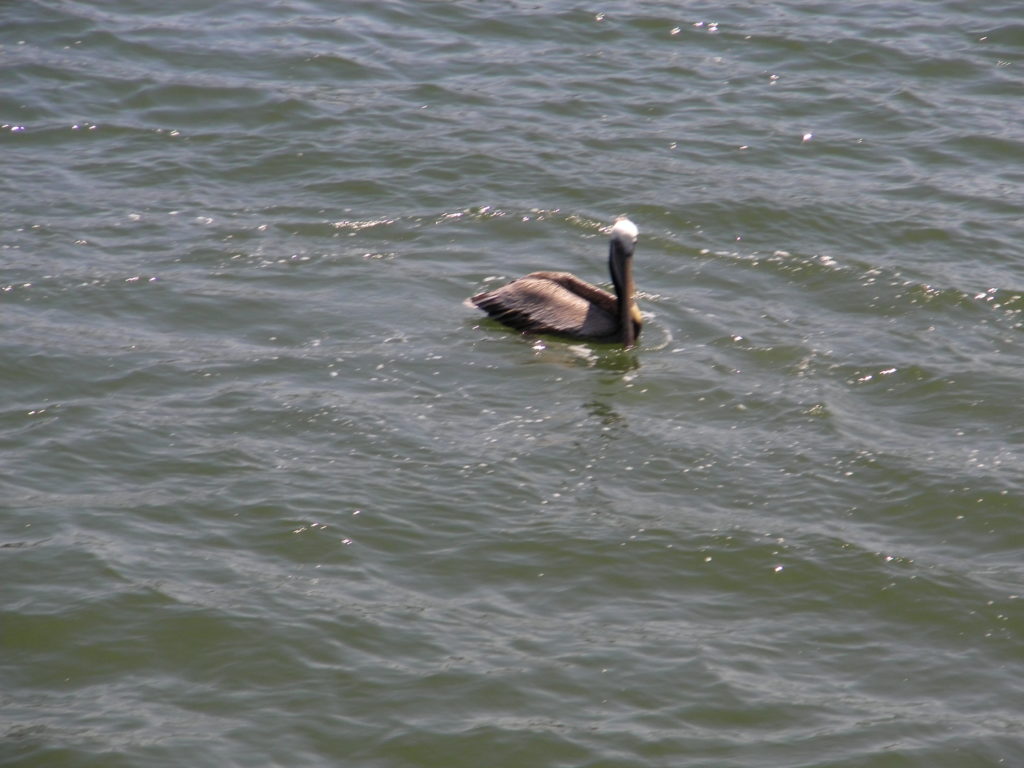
column 625, row 228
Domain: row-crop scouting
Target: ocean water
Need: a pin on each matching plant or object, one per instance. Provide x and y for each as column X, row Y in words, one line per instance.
column 273, row 496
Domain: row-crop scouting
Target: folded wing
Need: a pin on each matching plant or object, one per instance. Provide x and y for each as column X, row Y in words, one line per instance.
column 553, row 302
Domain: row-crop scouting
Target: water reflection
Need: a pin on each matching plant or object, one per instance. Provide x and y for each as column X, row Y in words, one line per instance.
column 607, row 357
column 605, row 414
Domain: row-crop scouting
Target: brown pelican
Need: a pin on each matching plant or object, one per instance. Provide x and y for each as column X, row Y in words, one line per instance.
column 562, row 304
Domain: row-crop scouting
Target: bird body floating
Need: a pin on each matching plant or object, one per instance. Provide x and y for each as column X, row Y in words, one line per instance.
column 561, row 304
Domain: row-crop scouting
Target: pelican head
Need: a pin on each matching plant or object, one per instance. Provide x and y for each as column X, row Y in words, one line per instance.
column 625, row 230
column 620, row 263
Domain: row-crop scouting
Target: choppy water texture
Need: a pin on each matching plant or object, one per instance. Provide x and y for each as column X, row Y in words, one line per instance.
column 273, row 496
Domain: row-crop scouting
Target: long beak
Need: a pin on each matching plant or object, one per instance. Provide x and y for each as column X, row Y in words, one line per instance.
column 621, row 266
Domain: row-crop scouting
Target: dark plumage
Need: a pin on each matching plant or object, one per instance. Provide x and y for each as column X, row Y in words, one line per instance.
column 562, row 304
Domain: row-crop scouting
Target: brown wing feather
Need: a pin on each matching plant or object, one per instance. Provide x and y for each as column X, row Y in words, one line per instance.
column 553, row 302
column 582, row 288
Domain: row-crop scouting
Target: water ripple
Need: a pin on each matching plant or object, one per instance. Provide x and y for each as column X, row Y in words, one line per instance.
column 275, row 495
